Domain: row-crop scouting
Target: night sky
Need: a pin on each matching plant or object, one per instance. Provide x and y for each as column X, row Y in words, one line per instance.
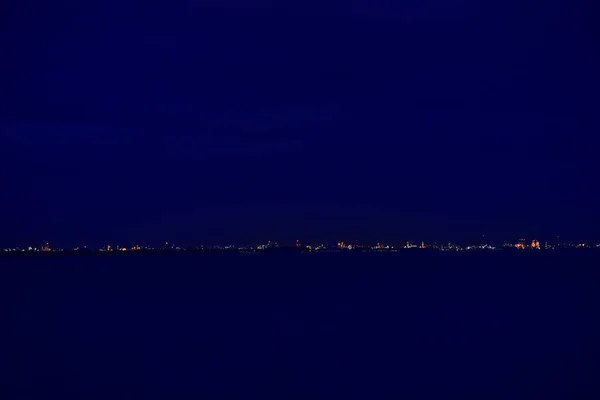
column 230, row 121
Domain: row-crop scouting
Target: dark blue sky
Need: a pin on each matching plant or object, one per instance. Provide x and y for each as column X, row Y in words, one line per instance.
column 242, row 121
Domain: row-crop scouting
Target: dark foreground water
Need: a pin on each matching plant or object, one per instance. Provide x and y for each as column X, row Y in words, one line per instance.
column 421, row 325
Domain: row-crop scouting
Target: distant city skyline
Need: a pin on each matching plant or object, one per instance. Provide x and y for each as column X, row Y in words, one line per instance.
column 521, row 244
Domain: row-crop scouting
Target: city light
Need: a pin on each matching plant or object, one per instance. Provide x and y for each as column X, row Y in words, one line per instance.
column 521, row 244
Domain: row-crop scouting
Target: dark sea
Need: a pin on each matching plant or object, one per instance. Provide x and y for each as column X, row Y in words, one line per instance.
column 414, row 325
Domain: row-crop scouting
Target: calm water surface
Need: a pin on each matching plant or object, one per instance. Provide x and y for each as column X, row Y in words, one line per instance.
column 421, row 325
